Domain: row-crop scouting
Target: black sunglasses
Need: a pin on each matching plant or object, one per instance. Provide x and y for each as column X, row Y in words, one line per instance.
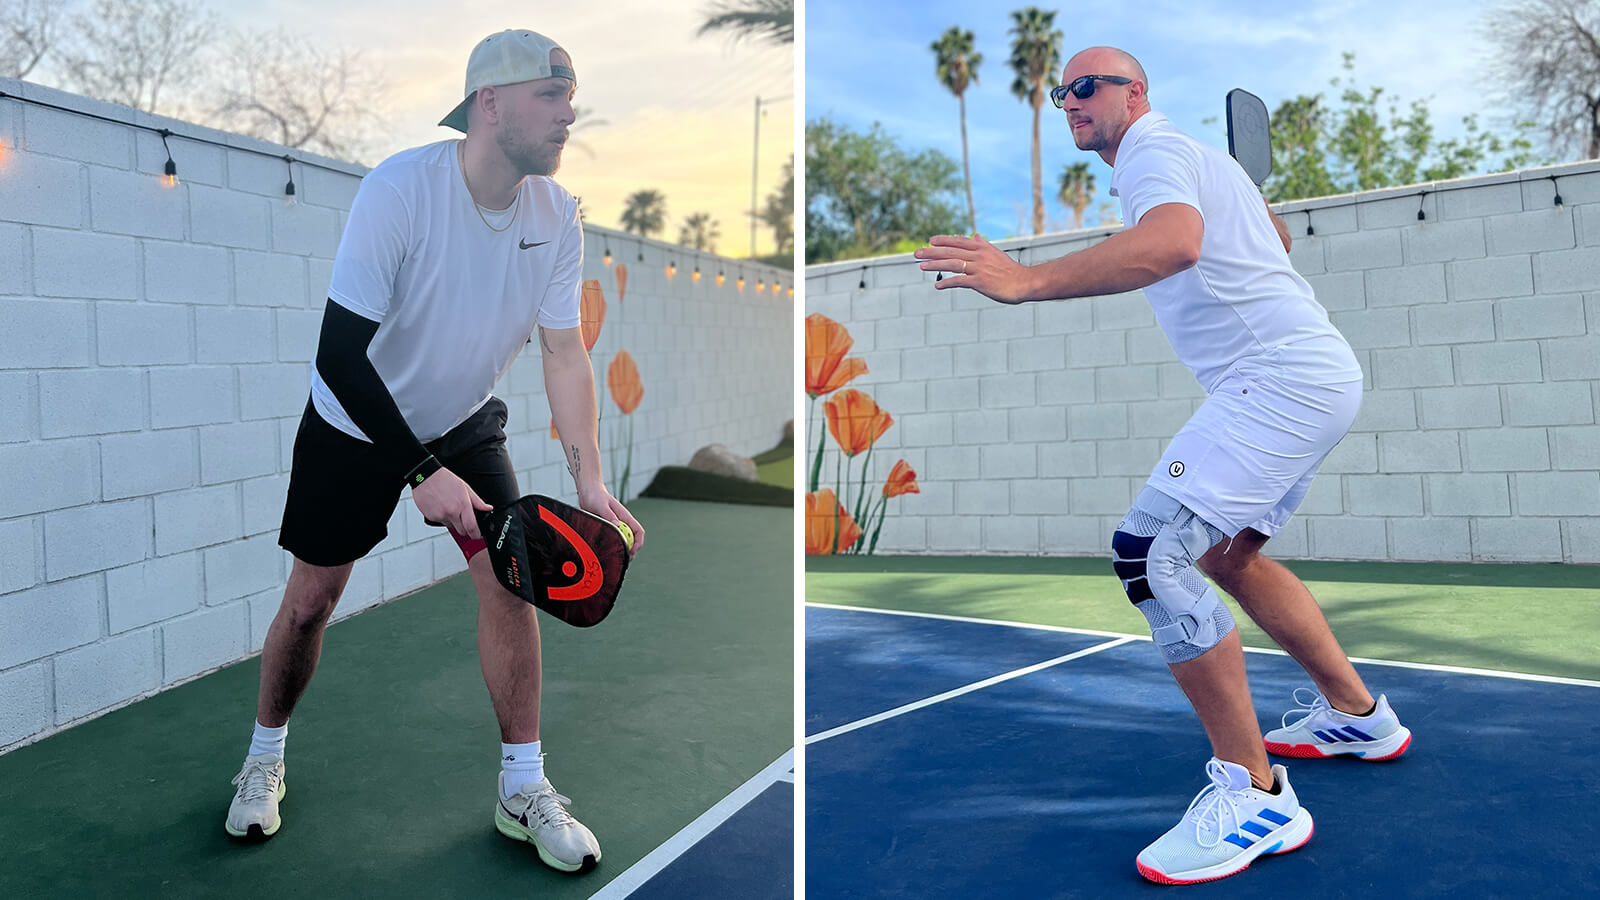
column 1082, row 87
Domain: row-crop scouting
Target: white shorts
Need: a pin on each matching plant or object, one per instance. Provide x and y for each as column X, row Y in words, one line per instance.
column 1247, row 456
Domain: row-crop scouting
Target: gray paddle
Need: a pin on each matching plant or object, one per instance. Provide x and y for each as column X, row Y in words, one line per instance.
column 1249, row 134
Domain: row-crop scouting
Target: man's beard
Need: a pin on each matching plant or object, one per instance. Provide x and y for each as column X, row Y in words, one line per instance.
column 543, row 159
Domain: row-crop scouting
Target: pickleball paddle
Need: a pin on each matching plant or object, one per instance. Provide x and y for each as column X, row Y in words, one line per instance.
column 562, row 559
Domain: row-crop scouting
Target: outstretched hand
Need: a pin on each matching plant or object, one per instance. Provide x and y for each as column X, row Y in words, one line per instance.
column 977, row 264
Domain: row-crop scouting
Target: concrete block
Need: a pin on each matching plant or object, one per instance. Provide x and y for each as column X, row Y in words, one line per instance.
column 1516, row 540
column 269, row 391
column 47, row 619
column 1556, row 272
column 92, row 678
column 1324, row 498
column 949, row 328
column 39, row 190
column 18, row 402
column 1531, row 232
column 1434, row 241
column 882, row 366
column 1582, row 188
column 1499, row 363
column 1107, row 348
column 1369, row 328
column 1121, row 312
column 205, row 640
column 1063, row 317
column 1387, row 411
column 1292, row 540
column 922, row 430
column 1357, row 453
column 835, row 306
column 903, row 397
column 1006, row 391
column 1580, row 538
column 903, row 535
column 234, row 335
column 955, row 534
column 1339, row 290
column 1550, row 315
column 1105, row 496
column 1491, row 278
column 304, row 230
column 142, row 334
column 1003, row 323
column 123, row 202
column 983, row 498
column 898, row 334
column 152, row 462
column 1556, row 403
column 407, row 569
column 222, row 217
column 243, row 567
column 326, row 188
column 1577, row 447
column 1075, row 535
column 63, row 133
column 191, row 395
column 1364, row 250
column 15, row 250
column 1307, row 256
column 90, row 401
column 1556, row 493
column 1406, row 286
column 1508, row 450
column 268, row 279
column 1038, row 354
column 153, row 590
column 1135, row 457
column 1348, row 538
column 1468, row 495
column 1393, row 212
column 1460, row 407
column 44, row 334
column 448, row 561
column 1065, row 387
column 1327, row 221
column 19, row 556
column 952, row 464
column 1009, row 461
column 1412, row 367
column 198, row 163
column 185, row 520
column 1420, row 451
column 185, row 273
column 1480, row 202
column 875, row 303
column 26, row 696
column 1568, row 359
column 1097, row 422
column 1011, row 534
column 1455, row 323
column 236, row 452
column 62, row 474
column 948, row 394
column 1128, row 383
column 364, row 590
column 1044, row 496
column 980, row 359
column 1037, row 425
column 1430, row 540
column 84, row 265
column 1149, row 345
column 1384, row 495
column 93, row 538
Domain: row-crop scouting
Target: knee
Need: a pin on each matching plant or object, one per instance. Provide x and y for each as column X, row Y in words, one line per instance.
column 311, row 596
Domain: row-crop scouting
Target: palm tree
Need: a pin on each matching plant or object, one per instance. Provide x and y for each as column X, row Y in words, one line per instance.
column 644, row 212
column 699, row 231
column 769, row 20
column 1077, row 187
column 957, row 66
column 1035, row 55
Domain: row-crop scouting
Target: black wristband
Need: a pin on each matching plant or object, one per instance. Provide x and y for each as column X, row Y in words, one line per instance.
column 425, row 468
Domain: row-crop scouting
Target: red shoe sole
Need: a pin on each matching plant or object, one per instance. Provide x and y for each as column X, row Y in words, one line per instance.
column 1161, row 878
column 1310, row 751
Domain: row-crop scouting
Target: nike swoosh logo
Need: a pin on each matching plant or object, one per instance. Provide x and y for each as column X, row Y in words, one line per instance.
column 592, row 578
column 524, row 245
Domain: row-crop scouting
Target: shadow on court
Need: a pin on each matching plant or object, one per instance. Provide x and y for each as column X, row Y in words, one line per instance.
column 650, row 718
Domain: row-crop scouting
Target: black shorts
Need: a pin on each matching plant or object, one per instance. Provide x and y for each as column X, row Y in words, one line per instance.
column 341, row 494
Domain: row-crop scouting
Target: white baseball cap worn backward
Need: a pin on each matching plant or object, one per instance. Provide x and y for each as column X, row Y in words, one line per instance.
column 508, row 57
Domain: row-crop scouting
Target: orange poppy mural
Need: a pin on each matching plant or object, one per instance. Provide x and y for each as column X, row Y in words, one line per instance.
column 591, row 312
column 622, row 280
column 826, row 344
column 902, row 480
column 622, row 378
column 856, row 420
column 829, row 529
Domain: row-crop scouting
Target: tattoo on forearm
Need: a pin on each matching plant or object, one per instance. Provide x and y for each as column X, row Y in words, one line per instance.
column 575, row 468
column 544, row 341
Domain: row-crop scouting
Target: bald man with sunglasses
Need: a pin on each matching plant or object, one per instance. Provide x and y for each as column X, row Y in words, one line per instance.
column 1283, row 387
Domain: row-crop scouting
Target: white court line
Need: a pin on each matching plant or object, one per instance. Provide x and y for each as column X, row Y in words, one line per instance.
column 642, row 871
column 1402, row 664
column 967, row 689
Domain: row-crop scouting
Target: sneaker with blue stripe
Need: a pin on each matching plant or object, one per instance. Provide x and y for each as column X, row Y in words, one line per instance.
column 1227, row 827
column 1319, row 731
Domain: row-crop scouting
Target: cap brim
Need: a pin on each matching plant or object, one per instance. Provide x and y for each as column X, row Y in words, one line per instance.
column 457, row 118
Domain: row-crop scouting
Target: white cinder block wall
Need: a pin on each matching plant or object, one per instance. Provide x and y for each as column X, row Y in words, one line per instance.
column 155, row 348
column 1031, row 428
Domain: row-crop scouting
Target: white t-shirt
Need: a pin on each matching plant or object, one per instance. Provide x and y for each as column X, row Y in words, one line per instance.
column 455, row 301
column 1242, row 299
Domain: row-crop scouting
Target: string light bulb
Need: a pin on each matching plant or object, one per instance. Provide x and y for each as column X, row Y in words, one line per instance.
column 791, row 293
column 740, row 282
column 672, row 269
column 170, row 170
column 288, row 189
column 775, row 287
column 607, row 258
column 696, row 275
column 760, row 285
column 721, row 277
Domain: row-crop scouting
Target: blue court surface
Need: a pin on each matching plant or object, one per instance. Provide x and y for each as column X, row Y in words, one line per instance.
column 961, row 759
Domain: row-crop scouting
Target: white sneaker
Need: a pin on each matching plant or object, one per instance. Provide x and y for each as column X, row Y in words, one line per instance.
column 253, row 814
column 1322, row 731
column 1227, row 826
column 536, row 814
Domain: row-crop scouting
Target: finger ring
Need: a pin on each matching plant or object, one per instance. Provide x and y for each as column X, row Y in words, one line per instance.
column 963, row 267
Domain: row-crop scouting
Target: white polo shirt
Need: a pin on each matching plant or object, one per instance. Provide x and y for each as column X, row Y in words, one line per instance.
column 1242, row 299
column 455, row 300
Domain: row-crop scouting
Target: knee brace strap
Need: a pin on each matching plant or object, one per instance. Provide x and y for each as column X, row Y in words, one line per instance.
column 1154, row 552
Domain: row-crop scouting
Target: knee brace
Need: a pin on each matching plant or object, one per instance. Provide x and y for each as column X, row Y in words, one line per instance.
column 1154, row 551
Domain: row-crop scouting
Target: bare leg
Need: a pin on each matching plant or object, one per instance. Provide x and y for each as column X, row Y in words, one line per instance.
column 294, row 641
column 1216, row 686
column 508, row 652
column 1280, row 603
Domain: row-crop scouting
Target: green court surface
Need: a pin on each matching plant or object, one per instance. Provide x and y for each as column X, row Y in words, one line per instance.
column 1539, row 619
column 649, row 718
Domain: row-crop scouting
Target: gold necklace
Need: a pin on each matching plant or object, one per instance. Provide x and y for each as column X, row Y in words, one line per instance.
column 461, row 159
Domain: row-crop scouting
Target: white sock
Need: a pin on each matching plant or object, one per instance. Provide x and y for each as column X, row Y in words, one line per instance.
column 522, row 764
column 269, row 741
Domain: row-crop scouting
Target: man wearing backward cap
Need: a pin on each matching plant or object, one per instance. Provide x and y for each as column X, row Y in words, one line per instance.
column 455, row 253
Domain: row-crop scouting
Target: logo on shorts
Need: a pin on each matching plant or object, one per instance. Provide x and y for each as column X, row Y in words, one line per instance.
column 1175, row 469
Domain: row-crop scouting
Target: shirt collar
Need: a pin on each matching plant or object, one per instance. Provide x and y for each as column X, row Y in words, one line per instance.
column 1140, row 127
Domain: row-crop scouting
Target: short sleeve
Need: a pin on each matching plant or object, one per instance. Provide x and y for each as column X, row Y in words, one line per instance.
column 1162, row 173
column 371, row 250
column 559, row 306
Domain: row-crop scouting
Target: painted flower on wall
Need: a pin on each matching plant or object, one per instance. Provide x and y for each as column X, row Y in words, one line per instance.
column 622, row 280
column 827, row 370
column 591, row 312
column 622, row 378
column 856, row 421
column 902, row 480
column 829, row 529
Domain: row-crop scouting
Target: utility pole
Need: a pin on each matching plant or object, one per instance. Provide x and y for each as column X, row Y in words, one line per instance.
column 755, row 164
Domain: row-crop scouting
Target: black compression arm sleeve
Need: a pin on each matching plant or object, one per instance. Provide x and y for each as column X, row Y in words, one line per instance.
column 343, row 364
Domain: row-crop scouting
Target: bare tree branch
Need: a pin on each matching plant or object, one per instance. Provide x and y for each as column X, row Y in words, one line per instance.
column 28, row 29
column 130, row 51
column 1549, row 60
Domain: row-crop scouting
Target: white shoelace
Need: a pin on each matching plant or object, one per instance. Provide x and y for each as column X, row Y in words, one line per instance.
column 550, row 807
column 1209, row 806
column 1308, row 708
column 256, row 781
